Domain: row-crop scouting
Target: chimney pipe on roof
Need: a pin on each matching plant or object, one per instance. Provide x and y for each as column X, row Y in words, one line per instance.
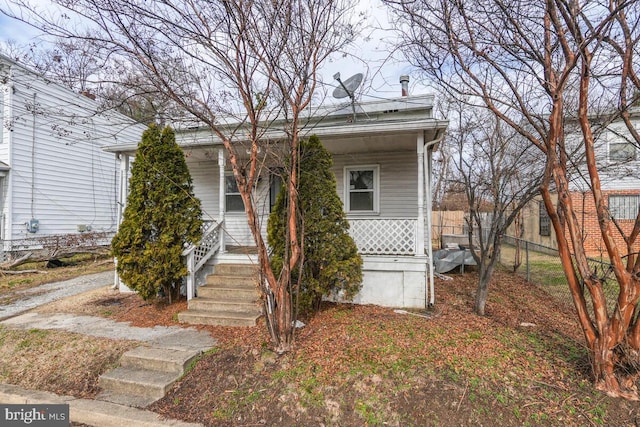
column 404, row 81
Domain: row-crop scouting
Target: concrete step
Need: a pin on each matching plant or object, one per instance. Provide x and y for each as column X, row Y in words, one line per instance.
column 235, row 293
column 138, row 382
column 233, row 281
column 229, row 269
column 125, row 399
column 235, row 305
column 158, row 359
column 220, row 318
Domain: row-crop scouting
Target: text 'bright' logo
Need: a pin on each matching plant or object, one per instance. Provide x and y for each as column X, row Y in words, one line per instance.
column 34, row 415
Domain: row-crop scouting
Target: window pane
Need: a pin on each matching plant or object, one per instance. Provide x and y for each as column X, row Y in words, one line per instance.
column 274, row 190
column 622, row 152
column 230, row 185
column 234, row 203
column 361, row 180
column 361, row 201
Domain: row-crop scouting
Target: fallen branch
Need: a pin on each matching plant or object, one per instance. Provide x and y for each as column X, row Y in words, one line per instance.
column 20, row 271
column 11, row 264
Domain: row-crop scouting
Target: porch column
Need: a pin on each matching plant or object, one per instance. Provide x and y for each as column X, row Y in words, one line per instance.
column 123, row 193
column 421, row 188
column 123, row 190
column 221, row 198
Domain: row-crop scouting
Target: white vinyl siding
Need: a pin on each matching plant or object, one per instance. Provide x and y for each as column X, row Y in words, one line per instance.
column 59, row 173
column 398, row 183
column 3, row 94
column 205, row 186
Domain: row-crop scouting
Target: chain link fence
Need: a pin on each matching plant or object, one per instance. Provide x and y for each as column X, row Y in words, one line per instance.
column 540, row 265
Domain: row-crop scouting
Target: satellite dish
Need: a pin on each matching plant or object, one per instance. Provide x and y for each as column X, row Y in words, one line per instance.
column 347, row 87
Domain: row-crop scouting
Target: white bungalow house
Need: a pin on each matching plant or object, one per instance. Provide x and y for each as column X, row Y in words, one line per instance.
column 382, row 162
column 55, row 179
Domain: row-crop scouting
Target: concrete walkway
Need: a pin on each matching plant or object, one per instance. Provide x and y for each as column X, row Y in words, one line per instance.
column 106, row 328
column 92, row 412
column 34, row 297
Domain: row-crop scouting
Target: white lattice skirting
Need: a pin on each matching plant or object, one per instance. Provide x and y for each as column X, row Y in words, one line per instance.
column 384, row 236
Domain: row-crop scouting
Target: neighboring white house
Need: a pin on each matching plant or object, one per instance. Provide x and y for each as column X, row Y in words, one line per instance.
column 382, row 162
column 55, row 178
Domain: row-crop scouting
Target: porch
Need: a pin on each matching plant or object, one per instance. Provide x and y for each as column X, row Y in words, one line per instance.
column 394, row 268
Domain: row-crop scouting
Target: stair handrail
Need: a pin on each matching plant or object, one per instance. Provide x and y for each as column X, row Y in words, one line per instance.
column 196, row 256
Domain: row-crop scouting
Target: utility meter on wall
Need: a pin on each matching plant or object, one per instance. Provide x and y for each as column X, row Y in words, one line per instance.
column 33, row 225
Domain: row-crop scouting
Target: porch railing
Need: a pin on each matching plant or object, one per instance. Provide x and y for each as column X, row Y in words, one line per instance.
column 197, row 255
column 384, row 236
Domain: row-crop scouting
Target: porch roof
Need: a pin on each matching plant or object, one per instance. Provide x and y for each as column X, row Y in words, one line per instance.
column 387, row 125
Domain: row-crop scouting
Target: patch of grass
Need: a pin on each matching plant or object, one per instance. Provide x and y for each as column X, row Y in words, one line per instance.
column 16, row 282
column 34, row 338
column 48, row 360
column 368, row 413
column 193, row 362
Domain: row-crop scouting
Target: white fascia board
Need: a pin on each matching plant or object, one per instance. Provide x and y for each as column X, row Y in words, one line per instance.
column 205, row 138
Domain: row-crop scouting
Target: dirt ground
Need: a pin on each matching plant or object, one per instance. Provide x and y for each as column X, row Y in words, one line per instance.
column 522, row 364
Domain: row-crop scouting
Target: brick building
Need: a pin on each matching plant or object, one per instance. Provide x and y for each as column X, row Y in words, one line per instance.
column 619, row 166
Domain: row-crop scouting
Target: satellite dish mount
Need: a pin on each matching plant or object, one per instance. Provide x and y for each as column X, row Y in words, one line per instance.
column 348, row 88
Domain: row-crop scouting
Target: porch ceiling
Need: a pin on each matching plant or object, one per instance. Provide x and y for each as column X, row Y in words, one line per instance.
column 371, row 143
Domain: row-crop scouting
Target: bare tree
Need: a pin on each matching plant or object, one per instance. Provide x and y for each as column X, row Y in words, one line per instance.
column 498, row 174
column 71, row 63
column 252, row 60
column 533, row 64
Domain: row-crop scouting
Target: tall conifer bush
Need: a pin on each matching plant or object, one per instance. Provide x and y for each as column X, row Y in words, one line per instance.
column 331, row 262
column 162, row 216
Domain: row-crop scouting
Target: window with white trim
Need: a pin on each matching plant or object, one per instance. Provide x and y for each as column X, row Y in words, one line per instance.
column 233, row 200
column 623, row 151
column 362, row 189
column 624, row 206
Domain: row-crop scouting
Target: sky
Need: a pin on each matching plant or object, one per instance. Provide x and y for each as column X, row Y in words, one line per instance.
column 382, row 72
column 369, row 55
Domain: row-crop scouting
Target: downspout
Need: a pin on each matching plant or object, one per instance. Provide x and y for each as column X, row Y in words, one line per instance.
column 430, row 294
